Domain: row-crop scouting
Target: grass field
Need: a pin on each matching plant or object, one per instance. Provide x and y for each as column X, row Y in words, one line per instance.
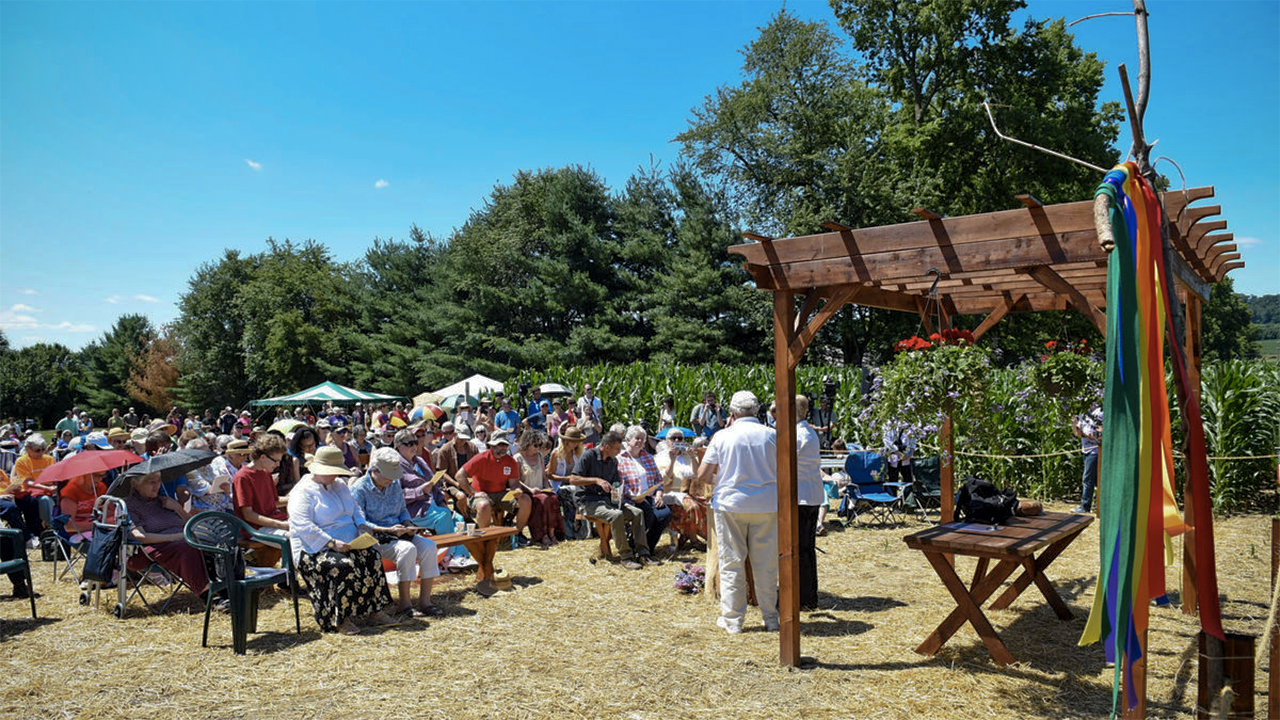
column 582, row 640
column 1270, row 348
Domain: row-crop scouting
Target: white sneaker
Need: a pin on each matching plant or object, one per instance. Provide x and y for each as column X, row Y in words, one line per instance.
column 733, row 629
column 463, row 563
column 33, row 543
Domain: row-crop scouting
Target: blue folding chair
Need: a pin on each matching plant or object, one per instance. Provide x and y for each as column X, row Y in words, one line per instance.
column 865, row 496
column 68, row 545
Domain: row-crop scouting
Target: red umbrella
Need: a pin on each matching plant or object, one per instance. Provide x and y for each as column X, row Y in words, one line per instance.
column 86, row 462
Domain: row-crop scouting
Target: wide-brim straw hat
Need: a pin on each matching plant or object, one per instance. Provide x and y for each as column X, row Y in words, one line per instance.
column 328, row 460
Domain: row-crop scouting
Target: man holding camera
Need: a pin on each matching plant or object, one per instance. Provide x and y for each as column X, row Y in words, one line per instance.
column 707, row 418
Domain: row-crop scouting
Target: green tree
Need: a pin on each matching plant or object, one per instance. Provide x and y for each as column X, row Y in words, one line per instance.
column 395, row 291
column 534, row 277
column 262, row 324
column 107, row 362
column 37, row 382
column 293, row 308
column 818, row 133
column 211, row 326
column 1227, row 329
column 703, row 305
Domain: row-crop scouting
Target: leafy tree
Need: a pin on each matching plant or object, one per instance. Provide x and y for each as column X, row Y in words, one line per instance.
column 107, row 364
column 261, row 324
column 292, row 307
column 816, row 133
column 1227, row 330
column 38, row 382
column 153, row 377
column 211, row 325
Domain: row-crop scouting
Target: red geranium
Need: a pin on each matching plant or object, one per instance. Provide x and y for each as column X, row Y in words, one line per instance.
column 912, row 343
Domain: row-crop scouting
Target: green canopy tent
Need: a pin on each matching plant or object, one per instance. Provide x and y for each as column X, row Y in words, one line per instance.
column 327, row 392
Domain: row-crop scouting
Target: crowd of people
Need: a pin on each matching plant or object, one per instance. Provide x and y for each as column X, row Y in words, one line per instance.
column 333, row 476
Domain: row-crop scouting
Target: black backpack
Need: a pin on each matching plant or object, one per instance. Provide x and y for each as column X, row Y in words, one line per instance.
column 103, row 558
column 979, row 501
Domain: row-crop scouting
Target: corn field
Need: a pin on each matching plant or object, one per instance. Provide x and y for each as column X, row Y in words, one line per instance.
column 1011, row 419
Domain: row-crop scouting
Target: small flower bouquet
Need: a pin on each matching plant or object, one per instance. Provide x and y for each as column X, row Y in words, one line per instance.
column 691, row 579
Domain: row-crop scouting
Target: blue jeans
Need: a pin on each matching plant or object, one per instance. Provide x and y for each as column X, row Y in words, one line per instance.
column 1090, row 479
column 656, row 520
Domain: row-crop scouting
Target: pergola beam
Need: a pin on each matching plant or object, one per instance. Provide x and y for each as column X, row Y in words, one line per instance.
column 1055, row 282
column 996, row 315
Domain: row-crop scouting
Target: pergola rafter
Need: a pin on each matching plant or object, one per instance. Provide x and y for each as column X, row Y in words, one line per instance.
column 1035, row 258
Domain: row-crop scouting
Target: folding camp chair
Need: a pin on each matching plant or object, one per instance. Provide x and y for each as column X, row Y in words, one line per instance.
column 865, row 496
column 107, row 563
column 65, row 545
column 925, row 495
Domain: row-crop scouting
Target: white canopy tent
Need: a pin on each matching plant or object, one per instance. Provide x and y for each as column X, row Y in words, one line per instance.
column 475, row 385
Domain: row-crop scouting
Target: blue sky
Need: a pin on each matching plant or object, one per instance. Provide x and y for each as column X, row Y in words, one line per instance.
column 138, row 140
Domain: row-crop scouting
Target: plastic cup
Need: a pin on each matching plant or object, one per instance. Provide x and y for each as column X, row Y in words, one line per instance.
column 471, row 527
column 459, row 526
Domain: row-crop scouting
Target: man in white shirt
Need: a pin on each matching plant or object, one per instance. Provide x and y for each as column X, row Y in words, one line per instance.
column 811, row 496
column 589, row 398
column 743, row 460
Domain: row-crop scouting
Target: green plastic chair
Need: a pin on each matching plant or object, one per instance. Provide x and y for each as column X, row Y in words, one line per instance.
column 217, row 535
column 19, row 563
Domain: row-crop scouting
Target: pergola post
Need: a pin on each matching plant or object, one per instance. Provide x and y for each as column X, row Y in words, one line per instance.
column 784, row 363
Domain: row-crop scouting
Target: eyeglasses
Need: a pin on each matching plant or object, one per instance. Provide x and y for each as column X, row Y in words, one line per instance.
column 409, row 443
column 274, row 459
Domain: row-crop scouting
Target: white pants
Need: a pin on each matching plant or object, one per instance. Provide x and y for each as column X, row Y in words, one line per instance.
column 409, row 554
column 738, row 536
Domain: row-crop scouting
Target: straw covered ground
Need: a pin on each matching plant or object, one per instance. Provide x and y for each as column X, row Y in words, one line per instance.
column 597, row 641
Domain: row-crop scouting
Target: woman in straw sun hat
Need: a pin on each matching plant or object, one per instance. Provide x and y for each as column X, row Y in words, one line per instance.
column 346, row 582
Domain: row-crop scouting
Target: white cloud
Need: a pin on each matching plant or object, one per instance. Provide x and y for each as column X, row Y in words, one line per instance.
column 1248, row 242
column 68, row 326
column 113, row 300
column 27, row 291
column 10, row 320
column 20, row 308
column 381, row 184
column 145, row 298
column 255, row 166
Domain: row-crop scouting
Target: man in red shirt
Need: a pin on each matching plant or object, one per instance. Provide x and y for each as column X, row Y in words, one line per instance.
column 492, row 474
column 255, row 495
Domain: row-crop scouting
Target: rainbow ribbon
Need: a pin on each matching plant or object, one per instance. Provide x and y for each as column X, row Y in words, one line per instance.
column 1139, row 514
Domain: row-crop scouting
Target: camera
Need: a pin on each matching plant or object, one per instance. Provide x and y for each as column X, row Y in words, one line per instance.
column 524, row 388
column 829, row 388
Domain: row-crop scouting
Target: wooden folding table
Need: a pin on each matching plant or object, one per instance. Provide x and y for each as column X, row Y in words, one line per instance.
column 1012, row 544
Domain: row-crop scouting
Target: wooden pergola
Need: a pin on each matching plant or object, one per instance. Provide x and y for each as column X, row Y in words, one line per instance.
column 1039, row 257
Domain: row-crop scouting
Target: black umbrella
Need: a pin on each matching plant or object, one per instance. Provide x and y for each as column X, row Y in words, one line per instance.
column 169, row 465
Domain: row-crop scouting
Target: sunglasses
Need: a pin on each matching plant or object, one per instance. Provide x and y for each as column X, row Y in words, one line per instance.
column 409, row 443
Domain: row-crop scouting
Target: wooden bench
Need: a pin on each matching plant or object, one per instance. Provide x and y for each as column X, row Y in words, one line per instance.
column 483, row 546
column 605, row 531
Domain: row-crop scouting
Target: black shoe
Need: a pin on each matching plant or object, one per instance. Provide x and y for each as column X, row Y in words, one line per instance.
column 22, row 591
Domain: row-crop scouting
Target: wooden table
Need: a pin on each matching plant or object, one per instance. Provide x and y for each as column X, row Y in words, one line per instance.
column 483, row 546
column 1013, row 544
